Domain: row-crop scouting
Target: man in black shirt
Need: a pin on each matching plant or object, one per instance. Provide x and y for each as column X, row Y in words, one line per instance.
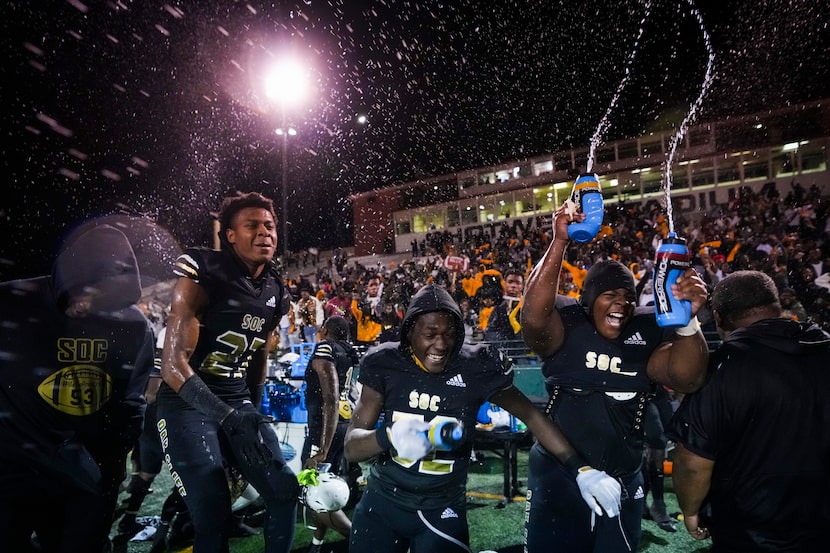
column 503, row 326
column 753, row 443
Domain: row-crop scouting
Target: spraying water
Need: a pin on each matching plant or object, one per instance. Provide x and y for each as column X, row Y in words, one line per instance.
column 604, row 123
column 690, row 116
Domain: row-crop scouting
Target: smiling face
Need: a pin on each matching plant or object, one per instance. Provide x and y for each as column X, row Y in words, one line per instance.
column 612, row 310
column 432, row 338
column 253, row 236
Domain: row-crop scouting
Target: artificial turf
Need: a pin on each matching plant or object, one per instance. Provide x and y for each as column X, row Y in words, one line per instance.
column 494, row 524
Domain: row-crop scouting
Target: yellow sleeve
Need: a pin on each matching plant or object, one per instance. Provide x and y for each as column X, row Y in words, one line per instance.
column 513, row 316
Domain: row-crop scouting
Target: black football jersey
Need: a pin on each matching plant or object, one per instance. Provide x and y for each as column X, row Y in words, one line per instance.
column 469, row 380
column 63, row 378
column 240, row 314
column 344, row 357
column 600, row 386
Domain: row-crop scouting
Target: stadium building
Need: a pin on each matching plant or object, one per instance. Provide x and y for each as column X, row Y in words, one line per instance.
column 713, row 162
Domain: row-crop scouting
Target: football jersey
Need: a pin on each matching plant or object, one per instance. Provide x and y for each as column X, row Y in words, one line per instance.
column 600, row 386
column 241, row 312
column 66, row 379
column 344, row 357
column 470, row 379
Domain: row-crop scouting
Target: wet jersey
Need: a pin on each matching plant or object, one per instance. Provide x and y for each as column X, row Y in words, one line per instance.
column 475, row 374
column 600, row 386
column 344, row 357
column 67, row 379
column 237, row 320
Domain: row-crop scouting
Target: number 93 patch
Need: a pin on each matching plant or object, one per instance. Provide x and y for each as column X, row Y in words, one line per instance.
column 77, row 390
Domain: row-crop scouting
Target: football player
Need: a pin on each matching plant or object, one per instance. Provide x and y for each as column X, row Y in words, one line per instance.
column 602, row 356
column 76, row 355
column 328, row 379
column 224, row 309
column 415, row 496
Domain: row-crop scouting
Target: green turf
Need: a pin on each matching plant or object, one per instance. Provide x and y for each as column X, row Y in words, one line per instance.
column 493, row 526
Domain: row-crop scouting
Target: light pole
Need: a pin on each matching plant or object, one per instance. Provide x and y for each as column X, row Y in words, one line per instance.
column 286, row 83
column 285, row 131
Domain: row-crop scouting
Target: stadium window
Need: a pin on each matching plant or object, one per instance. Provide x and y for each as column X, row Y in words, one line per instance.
column 467, row 182
column 402, row 227
column 728, row 172
column 562, row 162
column 813, row 158
column 523, row 201
column 419, row 222
column 469, row 212
column 469, row 216
column 487, row 211
column 703, row 174
column 627, row 150
column 543, row 167
column 651, row 180
column 452, row 216
column 756, row 170
column 486, row 178
column 605, row 155
column 650, row 146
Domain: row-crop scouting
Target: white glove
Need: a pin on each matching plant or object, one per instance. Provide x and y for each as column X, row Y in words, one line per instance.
column 409, row 438
column 600, row 491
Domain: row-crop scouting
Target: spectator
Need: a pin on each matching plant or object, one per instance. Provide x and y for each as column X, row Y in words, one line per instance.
column 310, row 311
column 791, row 308
column 503, row 326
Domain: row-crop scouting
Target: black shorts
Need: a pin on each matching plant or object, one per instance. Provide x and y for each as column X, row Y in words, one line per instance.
column 378, row 524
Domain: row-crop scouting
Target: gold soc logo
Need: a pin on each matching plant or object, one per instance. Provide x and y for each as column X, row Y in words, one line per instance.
column 77, row 390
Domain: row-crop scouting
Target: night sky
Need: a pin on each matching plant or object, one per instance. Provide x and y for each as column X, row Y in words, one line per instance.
column 157, row 109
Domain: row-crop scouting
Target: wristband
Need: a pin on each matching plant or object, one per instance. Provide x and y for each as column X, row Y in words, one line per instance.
column 196, row 393
column 690, row 329
column 574, row 464
column 382, row 436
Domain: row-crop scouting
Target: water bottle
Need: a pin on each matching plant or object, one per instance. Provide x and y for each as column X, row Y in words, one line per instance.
column 446, row 434
column 670, row 261
column 587, row 194
column 265, row 404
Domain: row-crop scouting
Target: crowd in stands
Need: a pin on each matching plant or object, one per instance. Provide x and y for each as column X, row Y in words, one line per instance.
column 786, row 237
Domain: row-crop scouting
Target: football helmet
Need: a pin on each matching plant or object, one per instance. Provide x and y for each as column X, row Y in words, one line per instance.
column 330, row 494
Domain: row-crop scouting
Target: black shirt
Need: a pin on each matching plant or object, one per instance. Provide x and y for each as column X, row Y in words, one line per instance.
column 764, row 419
